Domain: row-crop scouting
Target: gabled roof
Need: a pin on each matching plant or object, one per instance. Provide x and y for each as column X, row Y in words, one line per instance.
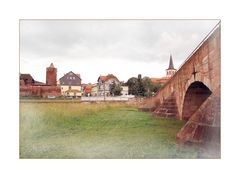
column 105, row 78
column 170, row 63
column 70, row 78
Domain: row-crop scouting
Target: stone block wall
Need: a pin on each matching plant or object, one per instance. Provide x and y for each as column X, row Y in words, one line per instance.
column 40, row 91
column 204, row 125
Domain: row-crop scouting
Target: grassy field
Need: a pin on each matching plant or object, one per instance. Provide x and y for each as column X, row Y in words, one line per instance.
column 97, row 130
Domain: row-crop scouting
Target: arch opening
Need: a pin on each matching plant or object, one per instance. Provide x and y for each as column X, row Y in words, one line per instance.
column 195, row 95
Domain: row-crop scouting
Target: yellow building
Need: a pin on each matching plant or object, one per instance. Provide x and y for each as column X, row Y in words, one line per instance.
column 70, row 85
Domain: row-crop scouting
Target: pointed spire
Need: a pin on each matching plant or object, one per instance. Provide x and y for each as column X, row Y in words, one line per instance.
column 171, row 63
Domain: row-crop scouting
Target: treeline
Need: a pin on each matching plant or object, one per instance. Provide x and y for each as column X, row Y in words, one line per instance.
column 136, row 86
column 142, row 86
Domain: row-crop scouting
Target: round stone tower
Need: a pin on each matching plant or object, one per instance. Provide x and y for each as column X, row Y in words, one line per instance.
column 51, row 75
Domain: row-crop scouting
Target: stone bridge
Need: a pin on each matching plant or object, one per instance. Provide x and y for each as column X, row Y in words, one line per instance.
column 193, row 94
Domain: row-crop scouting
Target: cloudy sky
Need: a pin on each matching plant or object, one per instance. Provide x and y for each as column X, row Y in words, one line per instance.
column 124, row 48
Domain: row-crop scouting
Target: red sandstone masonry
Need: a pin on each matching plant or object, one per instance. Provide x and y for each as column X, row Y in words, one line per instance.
column 183, row 78
column 51, row 76
column 204, row 123
column 40, row 91
column 201, row 68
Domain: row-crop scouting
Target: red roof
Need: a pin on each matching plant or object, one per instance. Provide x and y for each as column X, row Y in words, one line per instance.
column 88, row 89
column 159, row 80
column 105, row 78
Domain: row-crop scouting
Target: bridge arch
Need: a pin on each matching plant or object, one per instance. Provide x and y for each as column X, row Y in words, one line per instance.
column 196, row 93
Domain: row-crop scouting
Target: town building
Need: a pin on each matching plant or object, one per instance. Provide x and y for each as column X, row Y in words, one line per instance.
column 169, row 73
column 70, row 85
column 104, row 83
column 87, row 89
column 94, row 91
column 32, row 88
column 26, row 79
column 124, row 90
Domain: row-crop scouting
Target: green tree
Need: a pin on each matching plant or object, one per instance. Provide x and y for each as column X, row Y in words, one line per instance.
column 132, row 84
column 156, row 87
column 115, row 89
column 141, row 89
column 148, row 86
column 142, row 86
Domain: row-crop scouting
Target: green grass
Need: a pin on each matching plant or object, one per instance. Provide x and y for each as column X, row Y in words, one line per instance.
column 97, row 130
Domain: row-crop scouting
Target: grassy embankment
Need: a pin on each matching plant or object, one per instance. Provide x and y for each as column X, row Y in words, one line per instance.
column 97, row 130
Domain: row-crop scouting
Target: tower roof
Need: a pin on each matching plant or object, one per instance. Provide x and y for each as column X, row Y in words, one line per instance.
column 171, row 63
column 51, row 65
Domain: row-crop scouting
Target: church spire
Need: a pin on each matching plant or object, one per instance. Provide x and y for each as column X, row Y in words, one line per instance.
column 171, row 63
column 170, row 71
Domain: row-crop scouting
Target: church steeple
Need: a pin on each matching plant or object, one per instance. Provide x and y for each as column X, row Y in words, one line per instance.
column 170, row 71
column 171, row 63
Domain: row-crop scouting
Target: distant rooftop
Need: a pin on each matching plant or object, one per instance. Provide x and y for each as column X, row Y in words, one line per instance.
column 51, row 65
column 109, row 76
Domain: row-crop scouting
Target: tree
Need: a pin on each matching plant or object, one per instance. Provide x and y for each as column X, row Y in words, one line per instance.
column 156, row 87
column 135, row 86
column 115, row 89
column 141, row 89
column 112, row 87
column 132, row 84
column 148, row 86
column 142, row 86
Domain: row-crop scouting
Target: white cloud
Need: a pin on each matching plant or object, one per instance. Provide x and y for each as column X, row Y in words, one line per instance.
column 93, row 47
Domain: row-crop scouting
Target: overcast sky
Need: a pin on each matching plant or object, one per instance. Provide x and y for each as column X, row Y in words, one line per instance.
column 124, row 48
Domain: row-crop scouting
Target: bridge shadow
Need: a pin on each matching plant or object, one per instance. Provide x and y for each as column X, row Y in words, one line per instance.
column 196, row 94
